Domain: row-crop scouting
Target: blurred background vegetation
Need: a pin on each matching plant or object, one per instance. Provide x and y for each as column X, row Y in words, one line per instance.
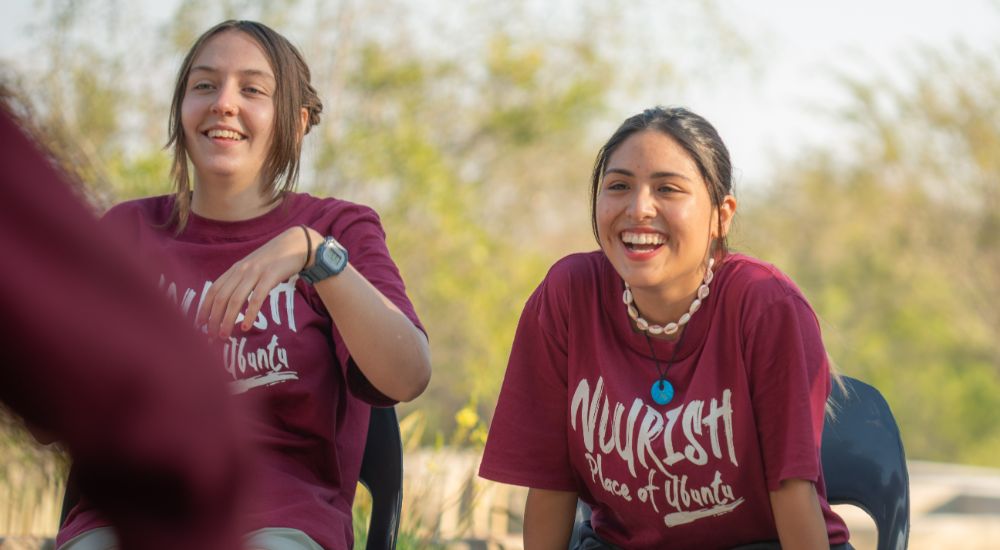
column 471, row 127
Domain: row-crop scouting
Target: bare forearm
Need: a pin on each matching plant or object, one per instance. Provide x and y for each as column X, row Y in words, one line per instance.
column 391, row 352
column 548, row 519
column 798, row 517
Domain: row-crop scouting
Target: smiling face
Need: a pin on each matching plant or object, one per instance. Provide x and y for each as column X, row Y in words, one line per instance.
column 654, row 217
column 228, row 110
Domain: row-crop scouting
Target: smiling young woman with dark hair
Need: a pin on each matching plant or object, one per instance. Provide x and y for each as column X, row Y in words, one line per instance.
column 299, row 293
column 677, row 388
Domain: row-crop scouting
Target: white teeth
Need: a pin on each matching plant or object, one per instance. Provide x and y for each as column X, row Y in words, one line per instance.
column 226, row 134
column 643, row 238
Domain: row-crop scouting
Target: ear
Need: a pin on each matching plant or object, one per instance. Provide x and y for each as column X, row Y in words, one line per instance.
column 725, row 213
column 303, row 122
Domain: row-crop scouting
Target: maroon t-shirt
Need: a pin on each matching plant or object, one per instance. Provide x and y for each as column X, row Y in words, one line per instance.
column 751, row 380
column 292, row 365
column 95, row 357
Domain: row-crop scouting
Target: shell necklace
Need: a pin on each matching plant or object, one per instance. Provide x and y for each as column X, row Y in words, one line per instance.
column 662, row 391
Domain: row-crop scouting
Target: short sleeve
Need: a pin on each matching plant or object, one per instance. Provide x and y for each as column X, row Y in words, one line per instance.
column 528, row 443
column 359, row 230
column 789, row 383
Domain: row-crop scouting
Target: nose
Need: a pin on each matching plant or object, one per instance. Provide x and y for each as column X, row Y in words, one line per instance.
column 225, row 103
column 641, row 204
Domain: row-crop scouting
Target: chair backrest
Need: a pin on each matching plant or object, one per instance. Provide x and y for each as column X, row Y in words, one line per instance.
column 864, row 463
column 381, row 474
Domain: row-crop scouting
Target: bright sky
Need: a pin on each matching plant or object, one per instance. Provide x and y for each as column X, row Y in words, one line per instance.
column 806, row 42
column 772, row 111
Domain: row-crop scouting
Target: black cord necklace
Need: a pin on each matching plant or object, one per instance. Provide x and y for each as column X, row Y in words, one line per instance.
column 662, row 391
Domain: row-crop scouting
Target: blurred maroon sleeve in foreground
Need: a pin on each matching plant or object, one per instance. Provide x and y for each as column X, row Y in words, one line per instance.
column 93, row 354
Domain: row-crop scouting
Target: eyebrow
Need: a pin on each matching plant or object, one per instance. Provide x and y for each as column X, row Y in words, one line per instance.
column 246, row 72
column 654, row 175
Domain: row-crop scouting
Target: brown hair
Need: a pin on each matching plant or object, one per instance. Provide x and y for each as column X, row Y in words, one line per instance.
column 695, row 134
column 293, row 92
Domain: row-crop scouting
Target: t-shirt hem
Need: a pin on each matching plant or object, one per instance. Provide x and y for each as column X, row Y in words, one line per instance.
column 774, row 483
column 525, row 481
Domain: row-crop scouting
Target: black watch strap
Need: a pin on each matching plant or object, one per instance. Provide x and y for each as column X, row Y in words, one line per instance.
column 331, row 259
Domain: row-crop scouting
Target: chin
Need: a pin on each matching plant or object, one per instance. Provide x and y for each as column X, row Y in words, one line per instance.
column 644, row 282
column 639, row 278
column 219, row 170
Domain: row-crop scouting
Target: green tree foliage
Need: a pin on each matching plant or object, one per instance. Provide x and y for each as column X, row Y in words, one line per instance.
column 474, row 140
column 896, row 245
column 469, row 126
column 455, row 149
column 473, row 134
column 436, row 169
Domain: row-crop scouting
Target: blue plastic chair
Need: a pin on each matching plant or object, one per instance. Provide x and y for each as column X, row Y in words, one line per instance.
column 863, row 463
column 381, row 474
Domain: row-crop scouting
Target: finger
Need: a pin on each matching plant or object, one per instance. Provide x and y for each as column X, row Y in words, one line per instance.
column 224, row 287
column 237, row 300
column 256, row 300
column 205, row 307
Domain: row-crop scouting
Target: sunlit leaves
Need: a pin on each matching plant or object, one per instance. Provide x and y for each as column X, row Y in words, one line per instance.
column 896, row 246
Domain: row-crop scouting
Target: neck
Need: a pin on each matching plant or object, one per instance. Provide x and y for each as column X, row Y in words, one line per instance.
column 229, row 202
column 666, row 303
column 662, row 306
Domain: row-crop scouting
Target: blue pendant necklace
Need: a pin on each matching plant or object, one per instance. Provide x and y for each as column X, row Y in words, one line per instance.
column 662, row 390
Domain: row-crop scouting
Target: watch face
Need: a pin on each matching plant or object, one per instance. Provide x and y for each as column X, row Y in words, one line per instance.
column 331, row 259
column 332, row 255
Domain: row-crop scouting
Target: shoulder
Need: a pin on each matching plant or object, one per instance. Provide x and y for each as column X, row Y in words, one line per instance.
column 744, row 275
column 573, row 276
column 755, row 286
column 149, row 210
column 331, row 209
column 579, row 270
column 353, row 224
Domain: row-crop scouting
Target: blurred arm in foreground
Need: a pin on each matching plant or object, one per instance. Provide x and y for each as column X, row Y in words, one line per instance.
column 97, row 357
